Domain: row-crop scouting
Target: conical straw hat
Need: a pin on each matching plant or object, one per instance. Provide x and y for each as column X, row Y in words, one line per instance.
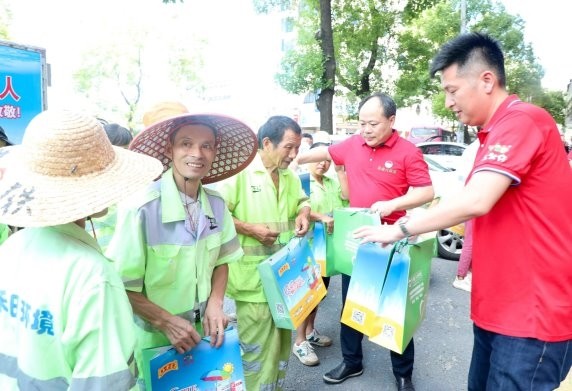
column 236, row 142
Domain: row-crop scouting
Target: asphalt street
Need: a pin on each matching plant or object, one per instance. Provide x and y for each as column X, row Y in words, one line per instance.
column 443, row 343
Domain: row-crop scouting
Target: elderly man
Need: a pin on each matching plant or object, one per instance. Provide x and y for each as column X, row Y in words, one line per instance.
column 269, row 207
column 173, row 243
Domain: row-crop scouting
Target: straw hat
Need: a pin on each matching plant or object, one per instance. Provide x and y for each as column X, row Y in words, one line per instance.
column 162, row 111
column 236, row 143
column 66, row 169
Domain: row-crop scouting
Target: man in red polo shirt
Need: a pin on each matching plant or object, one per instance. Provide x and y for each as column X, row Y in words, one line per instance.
column 387, row 174
column 519, row 194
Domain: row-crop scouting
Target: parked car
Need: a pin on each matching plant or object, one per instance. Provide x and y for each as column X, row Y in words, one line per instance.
column 446, row 153
column 446, row 182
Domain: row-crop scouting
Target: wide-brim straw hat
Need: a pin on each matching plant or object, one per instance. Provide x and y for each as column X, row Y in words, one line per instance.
column 236, row 143
column 163, row 110
column 66, row 169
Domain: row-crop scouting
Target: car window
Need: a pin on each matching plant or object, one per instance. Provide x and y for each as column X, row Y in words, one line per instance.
column 453, row 150
column 423, row 132
column 431, row 149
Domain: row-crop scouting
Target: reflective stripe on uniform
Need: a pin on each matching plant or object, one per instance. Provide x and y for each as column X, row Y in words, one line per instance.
column 122, row 380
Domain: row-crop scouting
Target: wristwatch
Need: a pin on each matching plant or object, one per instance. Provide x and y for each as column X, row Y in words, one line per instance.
column 403, row 228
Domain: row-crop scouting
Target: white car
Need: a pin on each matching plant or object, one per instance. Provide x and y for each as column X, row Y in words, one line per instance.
column 446, row 183
column 446, row 153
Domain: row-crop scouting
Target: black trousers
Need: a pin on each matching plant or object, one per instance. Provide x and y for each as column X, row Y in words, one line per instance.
column 350, row 339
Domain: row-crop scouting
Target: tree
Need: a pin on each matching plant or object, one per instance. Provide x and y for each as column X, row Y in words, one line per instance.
column 5, row 20
column 363, row 35
column 424, row 34
column 138, row 60
column 555, row 103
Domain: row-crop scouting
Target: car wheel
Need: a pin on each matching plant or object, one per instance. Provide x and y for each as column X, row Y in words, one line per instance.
column 449, row 244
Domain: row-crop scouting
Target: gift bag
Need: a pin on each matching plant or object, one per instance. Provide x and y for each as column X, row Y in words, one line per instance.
column 305, row 182
column 364, row 291
column 319, row 250
column 404, row 294
column 341, row 246
column 292, row 283
column 201, row 368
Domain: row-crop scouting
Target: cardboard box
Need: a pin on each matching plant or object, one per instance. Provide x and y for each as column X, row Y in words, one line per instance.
column 202, row 368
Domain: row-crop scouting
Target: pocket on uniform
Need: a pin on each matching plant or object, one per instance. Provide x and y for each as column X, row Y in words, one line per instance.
column 162, row 266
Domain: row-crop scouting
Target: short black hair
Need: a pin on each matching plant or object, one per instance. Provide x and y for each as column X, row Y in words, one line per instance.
column 387, row 103
column 275, row 127
column 469, row 48
column 308, row 135
column 117, row 134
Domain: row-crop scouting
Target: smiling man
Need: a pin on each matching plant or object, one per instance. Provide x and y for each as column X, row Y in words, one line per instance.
column 518, row 194
column 269, row 207
column 387, row 174
column 173, row 243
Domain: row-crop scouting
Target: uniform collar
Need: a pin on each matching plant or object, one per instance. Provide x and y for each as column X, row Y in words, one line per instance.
column 258, row 166
column 75, row 231
column 501, row 110
column 172, row 208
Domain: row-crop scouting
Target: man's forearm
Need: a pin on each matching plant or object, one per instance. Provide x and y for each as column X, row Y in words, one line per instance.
column 314, row 155
column 218, row 284
column 417, row 196
column 148, row 310
column 242, row 227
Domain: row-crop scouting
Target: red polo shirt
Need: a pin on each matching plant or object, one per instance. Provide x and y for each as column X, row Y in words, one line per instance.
column 522, row 253
column 380, row 173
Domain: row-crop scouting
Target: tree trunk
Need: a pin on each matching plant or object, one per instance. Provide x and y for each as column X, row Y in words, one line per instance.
column 326, row 95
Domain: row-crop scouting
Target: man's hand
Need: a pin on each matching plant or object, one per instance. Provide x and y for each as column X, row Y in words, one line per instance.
column 264, row 235
column 383, row 208
column 386, row 234
column 302, row 222
column 181, row 333
column 328, row 222
column 214, row 324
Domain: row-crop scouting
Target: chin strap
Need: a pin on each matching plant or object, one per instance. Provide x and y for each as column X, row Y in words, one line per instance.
column 92, row 227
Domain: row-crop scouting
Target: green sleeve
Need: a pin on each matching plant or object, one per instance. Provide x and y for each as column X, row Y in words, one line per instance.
column 127, row 249
column 99, row 335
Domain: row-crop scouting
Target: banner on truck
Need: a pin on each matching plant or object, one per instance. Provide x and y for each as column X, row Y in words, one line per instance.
column 23, row 84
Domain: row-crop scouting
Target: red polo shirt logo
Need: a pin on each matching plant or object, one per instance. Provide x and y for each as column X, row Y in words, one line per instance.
column 388, row 167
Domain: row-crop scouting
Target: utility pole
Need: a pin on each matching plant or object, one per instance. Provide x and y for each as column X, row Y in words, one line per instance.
column 460, row 126
column 463, row 16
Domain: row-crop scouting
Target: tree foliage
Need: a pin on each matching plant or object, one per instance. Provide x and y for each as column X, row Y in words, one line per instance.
column 555, row 103
column 381, row 45
column 423, row 36
column 125, row 67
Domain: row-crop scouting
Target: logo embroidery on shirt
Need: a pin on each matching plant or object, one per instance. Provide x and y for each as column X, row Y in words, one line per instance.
column 498, row 153
column 388, row 167
column 255, row 188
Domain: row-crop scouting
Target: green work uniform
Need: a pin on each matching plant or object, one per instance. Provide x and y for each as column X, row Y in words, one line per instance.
column 252, row 197
column 325, row 197
column 4, row 232
column 159, row 253
column 65, row 319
